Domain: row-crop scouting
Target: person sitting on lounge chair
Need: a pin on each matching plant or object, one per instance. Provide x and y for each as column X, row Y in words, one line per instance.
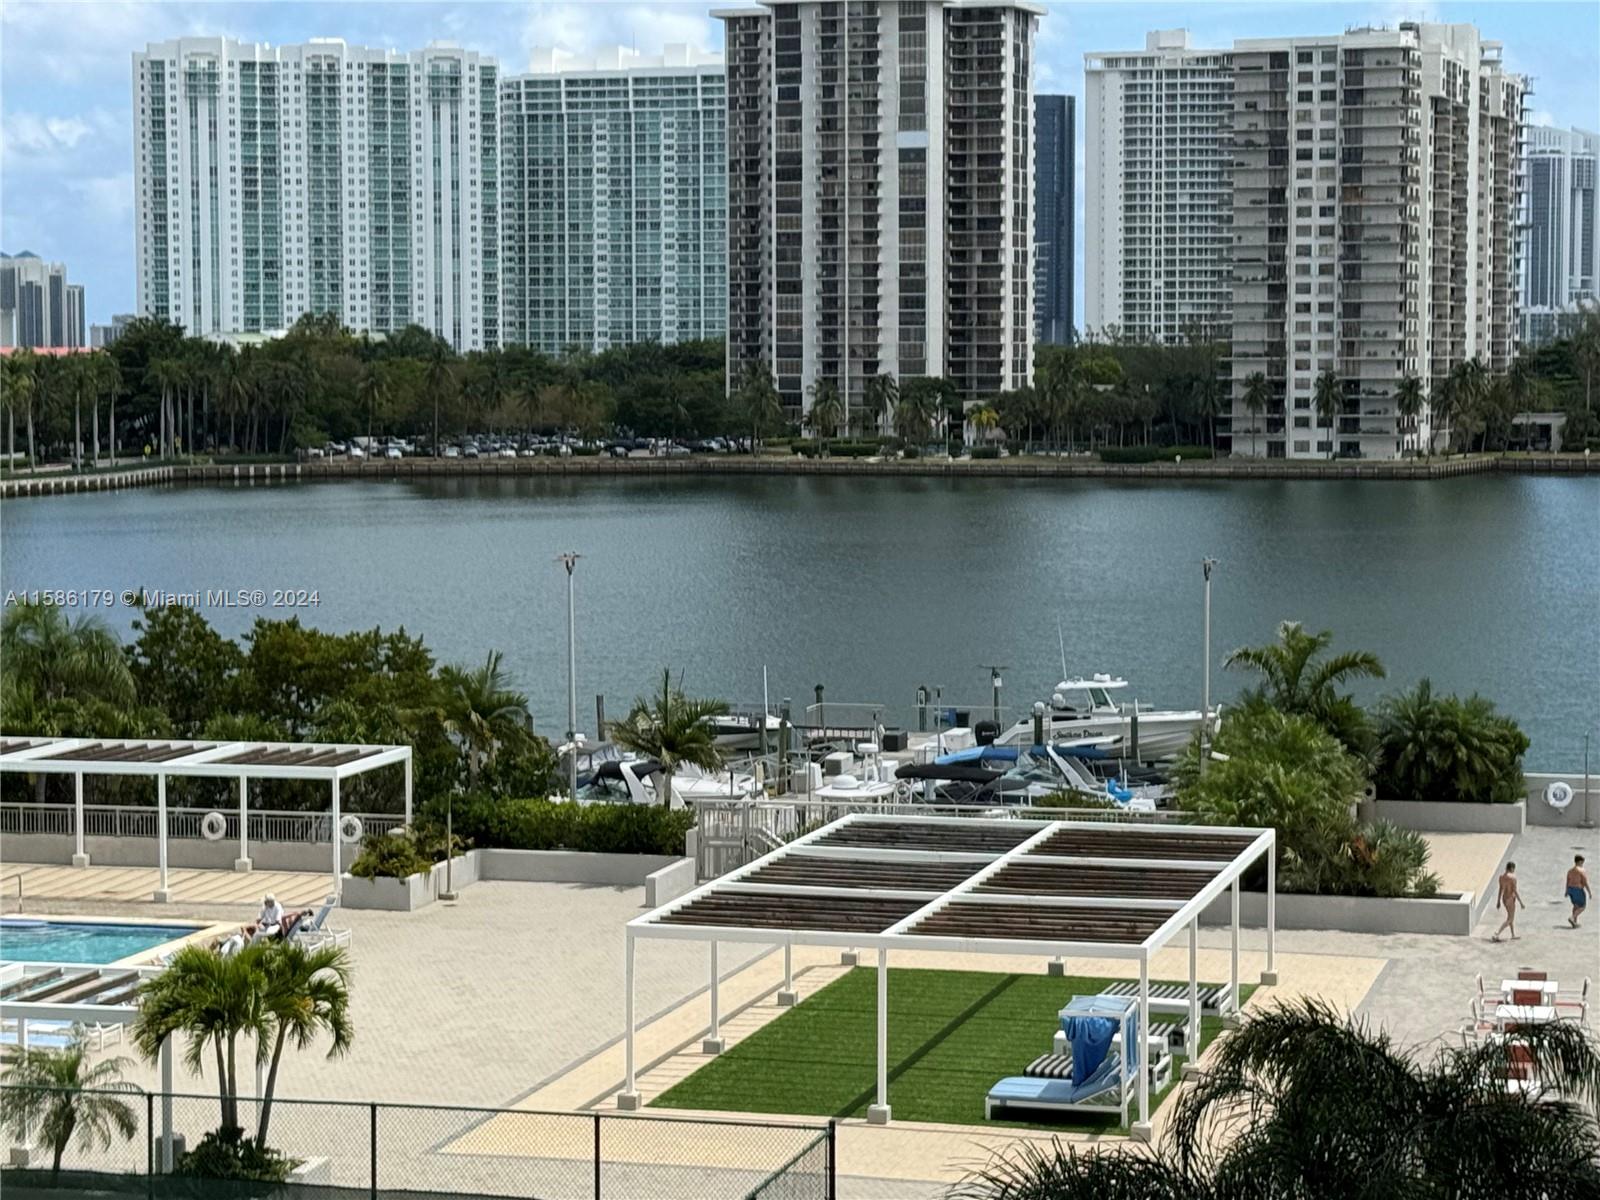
column 269, row 922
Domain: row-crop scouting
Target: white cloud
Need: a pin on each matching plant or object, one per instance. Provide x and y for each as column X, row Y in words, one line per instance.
column 106, row 199
column 1540, row 116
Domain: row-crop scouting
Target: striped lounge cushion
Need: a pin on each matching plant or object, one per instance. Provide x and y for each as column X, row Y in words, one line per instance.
column 1050, row 1066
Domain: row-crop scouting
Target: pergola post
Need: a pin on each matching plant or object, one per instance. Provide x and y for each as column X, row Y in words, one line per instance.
column 163, row 892
column 1140, row 1129
column 407, row 764
column 338, row 867
column 242, row 863
column 1191, row 1037
column 166, row 1104
column 1233, row 958
column 786, row 996
column 1270, row 975
column 878, row 1114
column 79, row 858
column 22, row 1034
column 713, row 1043
column 628, row 1098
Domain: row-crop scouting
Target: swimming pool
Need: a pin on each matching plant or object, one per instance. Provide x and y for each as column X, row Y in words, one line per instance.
column 24, row 940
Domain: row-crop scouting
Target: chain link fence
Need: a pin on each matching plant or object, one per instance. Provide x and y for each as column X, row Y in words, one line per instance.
column 338, row 1149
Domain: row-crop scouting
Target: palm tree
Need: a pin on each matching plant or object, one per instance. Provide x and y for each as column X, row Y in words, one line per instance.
column 76, row 373
column 1441, row 407
column 917, row 410
column 984, row 419
column 1304, row 1101
column 164, row 374
column 480, row 709
column 826, row 409
column 1208, row 404
column 21, row 384
column 107, row 382
column 1296, row 678
column 372, row 392
column 58, row 1094
column 1408, row 403
column 60, row 658
column 674, row 730
column 757, row 399
column 1586, row 350
column 882, row 393
column 1469, row 385
column 304, row 993
column 1256, row 394
column 213, row 1001
column 1326, row 397
column 439, row 379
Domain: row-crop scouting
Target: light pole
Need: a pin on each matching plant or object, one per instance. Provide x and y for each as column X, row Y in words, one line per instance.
column 1588, row 821
column 1206, row 566
column 569, row 561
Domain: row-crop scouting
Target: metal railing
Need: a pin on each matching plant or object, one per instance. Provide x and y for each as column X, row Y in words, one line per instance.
column 346, row 1149
column 128, row 821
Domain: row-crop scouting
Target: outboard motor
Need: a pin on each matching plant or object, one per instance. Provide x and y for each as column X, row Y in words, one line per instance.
column 985, row 732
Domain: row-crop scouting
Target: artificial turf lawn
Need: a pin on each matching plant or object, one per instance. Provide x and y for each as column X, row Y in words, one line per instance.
column 952, row 1036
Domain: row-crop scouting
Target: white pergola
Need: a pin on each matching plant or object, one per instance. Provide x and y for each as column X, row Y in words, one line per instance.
column 1057, row 889
column 325, row 762
column 85, row 995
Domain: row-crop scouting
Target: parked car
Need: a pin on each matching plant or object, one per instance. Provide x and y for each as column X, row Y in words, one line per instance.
column 357, row 452
column 393, row 452
column 471, row 451
column 452, row 451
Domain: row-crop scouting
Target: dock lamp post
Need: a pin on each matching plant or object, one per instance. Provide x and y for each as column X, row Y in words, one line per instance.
column 1206, row 567
column 569, row 561
column 1588, row 819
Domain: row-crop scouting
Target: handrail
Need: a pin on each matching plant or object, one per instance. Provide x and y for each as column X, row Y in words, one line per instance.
column 115, row 820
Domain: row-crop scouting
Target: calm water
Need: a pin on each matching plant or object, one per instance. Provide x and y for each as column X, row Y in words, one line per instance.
column 69, row 942
column 872, row 586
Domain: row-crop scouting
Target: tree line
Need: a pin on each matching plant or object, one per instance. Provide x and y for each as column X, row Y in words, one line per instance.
column 157, row 392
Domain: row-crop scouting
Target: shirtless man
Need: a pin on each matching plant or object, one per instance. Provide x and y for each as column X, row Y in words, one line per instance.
column 1578, row 889
column 1508, row 899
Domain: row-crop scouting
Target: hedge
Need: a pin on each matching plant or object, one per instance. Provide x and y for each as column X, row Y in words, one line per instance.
column 1149, row 454
column 986, row 452
column 809, row 448
column 562, row 825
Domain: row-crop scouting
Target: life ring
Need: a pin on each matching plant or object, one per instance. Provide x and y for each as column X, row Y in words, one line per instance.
column 213, row 826
column 1370, row 792
column 1558, row 794
column 349, row 828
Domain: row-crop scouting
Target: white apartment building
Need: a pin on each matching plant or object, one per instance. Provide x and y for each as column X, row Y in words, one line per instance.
column 1157, row 190
column 614, row 186
column 1561, row 269
column 272, row 181
column 1376, row 201
column 880, row 193
column 39, row 309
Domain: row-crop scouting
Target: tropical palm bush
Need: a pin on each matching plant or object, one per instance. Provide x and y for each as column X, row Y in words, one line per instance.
column 1443, row 747
column 58, row 1095
column 1302, row 1102
column 1297, row 677
column 538, row 824
column 480, row 709
column 1284, row 771
column 673, row 729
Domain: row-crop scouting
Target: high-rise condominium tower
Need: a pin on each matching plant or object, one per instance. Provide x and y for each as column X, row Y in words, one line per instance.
column 614, row 178
column 1562, row 267
column 39, row 309
column 1054, row 169
column 272, row 181
column 1156, row 190
column 1376, row 199
column 880, row 190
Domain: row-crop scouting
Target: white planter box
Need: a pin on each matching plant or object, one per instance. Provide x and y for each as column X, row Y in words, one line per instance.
column 1434, row 817
column 1448, row 913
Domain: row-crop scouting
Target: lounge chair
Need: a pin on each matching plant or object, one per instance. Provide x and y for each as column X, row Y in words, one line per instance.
column 1104, row 1031
column 1101, row 1092
column 1215, row 998
column 316, row 933
column 1573, row 1007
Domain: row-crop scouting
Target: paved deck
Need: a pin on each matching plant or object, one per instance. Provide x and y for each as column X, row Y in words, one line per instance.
column 135, row 885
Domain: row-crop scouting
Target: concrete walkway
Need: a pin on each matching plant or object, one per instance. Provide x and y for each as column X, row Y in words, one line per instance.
column 42, row 886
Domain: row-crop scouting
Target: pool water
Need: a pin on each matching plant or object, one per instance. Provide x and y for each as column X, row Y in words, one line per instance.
column 82, row 942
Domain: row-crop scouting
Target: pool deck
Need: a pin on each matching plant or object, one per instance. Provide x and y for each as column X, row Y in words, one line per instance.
column 518, row 988
column 294, row 889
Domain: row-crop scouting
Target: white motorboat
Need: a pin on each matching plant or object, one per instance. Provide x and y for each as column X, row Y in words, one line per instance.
column 1081, row 710
column 742, row 731
column 636, row 781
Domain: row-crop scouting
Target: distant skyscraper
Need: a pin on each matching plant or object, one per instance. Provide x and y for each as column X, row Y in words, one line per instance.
column 614, row 176
column 1376, row 199
column 272, row 181
column 1156, row 189
column 1561, row 264
column 1053, row 205
column 101, row 336
column 879, row 193
column 38, row 307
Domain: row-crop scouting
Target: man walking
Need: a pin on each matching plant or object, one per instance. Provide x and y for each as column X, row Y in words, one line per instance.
column 1508, row 899
column 1578, row 889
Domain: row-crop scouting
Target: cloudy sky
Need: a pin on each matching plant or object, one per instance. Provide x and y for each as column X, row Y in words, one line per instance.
column 66, row 159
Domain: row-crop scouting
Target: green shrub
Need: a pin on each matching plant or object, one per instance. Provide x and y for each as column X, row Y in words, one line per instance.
column 586, row 451
column 911, row 452
column 836, row 448
column 1150, row 454
column 986, row 452
column 397, row 855
column 228, row 1154
column 562, row 825
column 1287, row 773
column 1445, row 748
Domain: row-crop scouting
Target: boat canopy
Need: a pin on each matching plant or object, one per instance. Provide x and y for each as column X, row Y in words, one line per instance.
column 948, row 772
column 1099, row 680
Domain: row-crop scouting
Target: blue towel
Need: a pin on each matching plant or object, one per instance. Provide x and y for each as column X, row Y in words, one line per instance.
column 1090, row 1035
